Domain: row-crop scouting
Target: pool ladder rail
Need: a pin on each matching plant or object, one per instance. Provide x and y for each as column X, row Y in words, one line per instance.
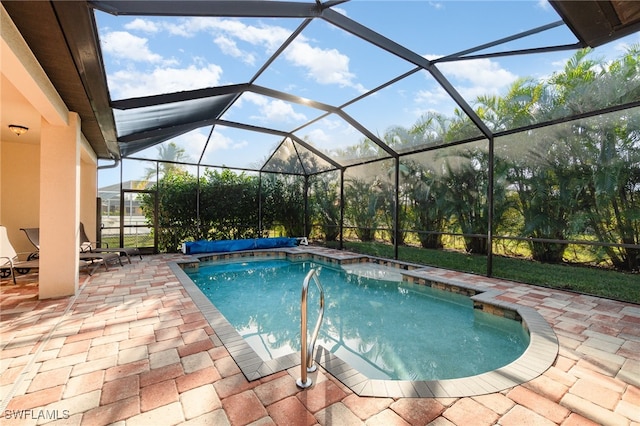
column 306, row 351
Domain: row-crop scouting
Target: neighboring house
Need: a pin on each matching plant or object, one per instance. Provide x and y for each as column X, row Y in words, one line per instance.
column 110, row 198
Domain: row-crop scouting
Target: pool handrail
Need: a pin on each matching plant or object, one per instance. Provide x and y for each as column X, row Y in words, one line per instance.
column 306, row 352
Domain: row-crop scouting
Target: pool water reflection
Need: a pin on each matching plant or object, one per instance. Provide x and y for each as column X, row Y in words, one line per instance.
column 385, row 329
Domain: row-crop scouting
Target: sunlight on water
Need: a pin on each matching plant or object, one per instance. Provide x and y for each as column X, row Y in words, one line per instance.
column 385, row 329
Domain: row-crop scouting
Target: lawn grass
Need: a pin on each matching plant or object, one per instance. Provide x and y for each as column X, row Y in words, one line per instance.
column 586, row 280
column 129, row 240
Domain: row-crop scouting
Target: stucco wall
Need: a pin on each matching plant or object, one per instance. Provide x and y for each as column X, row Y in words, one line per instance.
column 54, row 146
column 88, row 191
column 20, row 182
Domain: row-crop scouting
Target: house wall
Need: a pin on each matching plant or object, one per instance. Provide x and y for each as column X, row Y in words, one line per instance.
column 20, row 192
column 20, row 188
column 88, row 189
column 48, row 175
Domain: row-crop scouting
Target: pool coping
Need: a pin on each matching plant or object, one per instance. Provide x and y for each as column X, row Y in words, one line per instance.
column 536, row 359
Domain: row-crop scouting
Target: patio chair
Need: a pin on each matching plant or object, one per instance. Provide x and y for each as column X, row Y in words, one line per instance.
column 9, row 262
column 88, row 246
column 33, row 234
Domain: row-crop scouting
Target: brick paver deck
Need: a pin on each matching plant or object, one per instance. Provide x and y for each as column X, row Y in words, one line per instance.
column 132, row 348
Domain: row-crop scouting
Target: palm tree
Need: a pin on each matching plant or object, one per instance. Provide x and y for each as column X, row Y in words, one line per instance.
column 515, row 109
column 607, row 150
column 425, row 186
column 467, row 180
column 362, row 201
column 170, row 156
column 534, row 166
column 325, row 204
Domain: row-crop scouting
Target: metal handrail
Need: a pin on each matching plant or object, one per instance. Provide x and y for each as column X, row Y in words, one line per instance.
column 306, row 351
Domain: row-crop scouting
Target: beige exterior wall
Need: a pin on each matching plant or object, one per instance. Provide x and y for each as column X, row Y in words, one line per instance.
column 48, row 176
column 20, row 179
column 20, row 190
column 88, row 189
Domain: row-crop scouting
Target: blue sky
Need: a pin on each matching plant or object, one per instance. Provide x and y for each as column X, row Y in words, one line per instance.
column 154, row 55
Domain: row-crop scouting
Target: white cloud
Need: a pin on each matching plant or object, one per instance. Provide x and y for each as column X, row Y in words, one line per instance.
column 254, row 98
column 544, row 4
column 178, row 29
column 236, row 39
column 481, row 76
column 181, row 28
column 620, row 47
column 220, row 145
column 340, row 10
column 270, row 110
column 324, row 66
column 333, row 123
column 431, row 97
column 122, row 44
column 143, row 25
column 226, row 34
column 239, row 144
column 330, row 133
column 193, row 142
column 229, row 47
column 218, row 141
column 269, row 36
column 278, row 111
column 317, row 137
column 126, row 83
column 471, row 79
column 325, row 141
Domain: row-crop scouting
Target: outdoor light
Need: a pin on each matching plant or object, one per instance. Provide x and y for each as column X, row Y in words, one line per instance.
column 18, row 130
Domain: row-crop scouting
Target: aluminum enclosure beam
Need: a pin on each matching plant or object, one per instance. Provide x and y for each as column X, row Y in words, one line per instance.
column 223, row 8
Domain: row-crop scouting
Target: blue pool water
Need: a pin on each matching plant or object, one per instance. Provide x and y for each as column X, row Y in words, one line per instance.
column 385, row 329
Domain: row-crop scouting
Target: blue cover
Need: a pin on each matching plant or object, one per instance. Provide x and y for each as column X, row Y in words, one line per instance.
column 205, row 246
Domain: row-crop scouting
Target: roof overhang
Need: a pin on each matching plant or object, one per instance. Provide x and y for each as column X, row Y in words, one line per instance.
column 596, row 22
column 62, row 37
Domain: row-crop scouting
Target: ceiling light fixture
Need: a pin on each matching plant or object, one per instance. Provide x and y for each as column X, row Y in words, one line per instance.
column 18, row 130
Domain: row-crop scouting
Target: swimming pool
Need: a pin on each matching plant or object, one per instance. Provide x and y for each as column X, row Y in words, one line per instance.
column 384, row 329
column 537, row 357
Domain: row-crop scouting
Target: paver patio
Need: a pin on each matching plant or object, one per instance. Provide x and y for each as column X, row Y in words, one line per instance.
column 132, row 348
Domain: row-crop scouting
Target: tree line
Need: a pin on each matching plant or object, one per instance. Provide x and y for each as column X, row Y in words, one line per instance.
column 576, row 180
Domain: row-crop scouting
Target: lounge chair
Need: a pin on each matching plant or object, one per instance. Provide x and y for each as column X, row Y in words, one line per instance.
column 33, row 234
column 88, row 246
column 9, row 262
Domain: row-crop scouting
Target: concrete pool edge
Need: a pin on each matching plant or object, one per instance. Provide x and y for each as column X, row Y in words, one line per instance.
column 537, row 358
